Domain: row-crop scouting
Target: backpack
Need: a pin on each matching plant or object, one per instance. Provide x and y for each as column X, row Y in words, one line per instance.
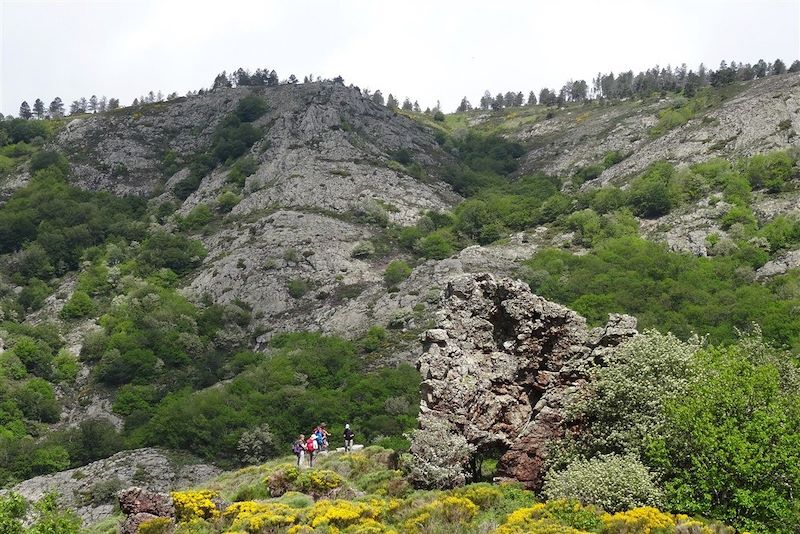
column 311, row 444
column 297, row 447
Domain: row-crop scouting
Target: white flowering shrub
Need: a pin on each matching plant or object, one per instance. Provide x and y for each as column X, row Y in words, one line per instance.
column 440, row 456
column 256, row 445
column 623, row 407
column 612, row 482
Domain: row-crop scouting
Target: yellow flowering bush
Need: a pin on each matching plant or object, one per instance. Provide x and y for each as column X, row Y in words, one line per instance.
column 643, row 520
column 191, row 505
column 252, row 516
column 318, row 482
column 571, row 515
column 484, row 495
column 448, row 509
column 342, row 514
column 158, row 525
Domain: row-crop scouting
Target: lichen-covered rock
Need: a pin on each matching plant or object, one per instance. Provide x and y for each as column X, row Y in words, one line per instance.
column 500, row 365
column 135, row 500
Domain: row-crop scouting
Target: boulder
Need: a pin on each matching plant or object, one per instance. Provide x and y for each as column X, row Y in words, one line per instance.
column 135, row 500
column 501, row 365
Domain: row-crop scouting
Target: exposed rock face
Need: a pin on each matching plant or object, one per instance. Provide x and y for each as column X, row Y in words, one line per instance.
column 91, row 490
column 501, row 364
column 749, row 123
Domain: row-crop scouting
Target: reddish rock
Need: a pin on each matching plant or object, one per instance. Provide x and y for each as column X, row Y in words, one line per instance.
column 136, row 500
column 501, row 364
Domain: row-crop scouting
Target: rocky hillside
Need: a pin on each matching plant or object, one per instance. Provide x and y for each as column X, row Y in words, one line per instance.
column 168, row 267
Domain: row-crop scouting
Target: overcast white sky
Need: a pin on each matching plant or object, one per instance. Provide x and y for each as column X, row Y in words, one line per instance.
column 425, row 50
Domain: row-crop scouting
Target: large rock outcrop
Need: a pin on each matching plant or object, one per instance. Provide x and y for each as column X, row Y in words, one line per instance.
column 91, row 490
column 501, row 365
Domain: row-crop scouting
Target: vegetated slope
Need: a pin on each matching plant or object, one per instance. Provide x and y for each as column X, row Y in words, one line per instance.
column 300, row 207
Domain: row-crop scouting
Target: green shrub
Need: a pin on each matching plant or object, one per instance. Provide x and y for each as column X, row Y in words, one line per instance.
column 251, row 108
column 196, row 219
column 732, row 446
column 298, row 287
column 667, row 290
column 47, row 158
column 396, row 272
column 770, row 171
column 611, row 158
column 240, row 170
column 738, row 215
column 65, row 366
column 227, row 201
column 653, row 193
column 78, row 306
column 36, row 399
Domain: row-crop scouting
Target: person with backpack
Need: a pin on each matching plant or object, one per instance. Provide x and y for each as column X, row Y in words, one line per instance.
column 348, row 438
column 311, row 448
column 299, row 449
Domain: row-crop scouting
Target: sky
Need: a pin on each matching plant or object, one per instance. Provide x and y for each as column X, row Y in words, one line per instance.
column 427, row 50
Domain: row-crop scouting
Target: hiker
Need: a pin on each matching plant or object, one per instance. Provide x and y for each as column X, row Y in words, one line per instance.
column 311, row 448
column 324, row 431
column 299, row 449
column 348, row 438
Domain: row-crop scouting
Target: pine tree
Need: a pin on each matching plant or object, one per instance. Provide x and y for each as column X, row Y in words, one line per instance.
column 38, row 108
column 407, row 104
column 464, row 105
column 778, row 67
column 497, row 103
column 102, row 104
column 25, row 111
column 56, row 108
column 377, row 97
column 292, row 79
column 92, row 104
column 416, row 107
column 486, row 100
column 113, row 103
column 795, row 66
column 221, row 81
column 531, row 98
column 519, row 99
column 391, row 102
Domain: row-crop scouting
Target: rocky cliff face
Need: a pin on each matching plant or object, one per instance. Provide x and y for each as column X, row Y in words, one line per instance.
column 502, row 363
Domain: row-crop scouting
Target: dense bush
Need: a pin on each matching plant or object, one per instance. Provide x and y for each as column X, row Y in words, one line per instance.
column 396, row 272
column 642, row 375
column 440, row 455
column 614, row 483
column 731, row 448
